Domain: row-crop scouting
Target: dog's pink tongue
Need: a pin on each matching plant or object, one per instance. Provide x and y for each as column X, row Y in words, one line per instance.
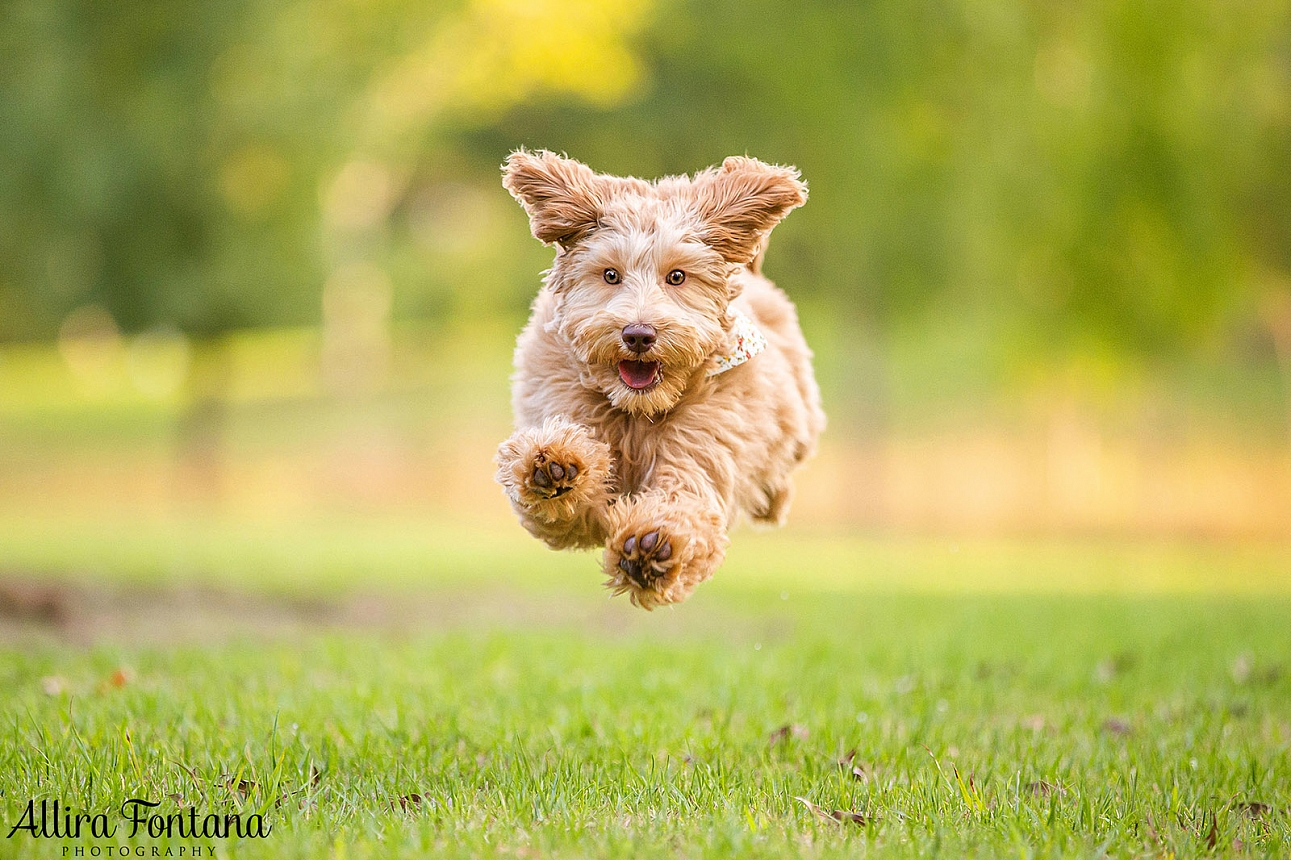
column 638, row 374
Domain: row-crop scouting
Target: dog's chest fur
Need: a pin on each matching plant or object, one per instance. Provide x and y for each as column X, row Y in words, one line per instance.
column 635, row 442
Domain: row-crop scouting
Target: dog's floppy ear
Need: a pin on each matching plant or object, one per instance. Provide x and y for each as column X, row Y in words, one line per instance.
column 741, row 201
column 562, row 197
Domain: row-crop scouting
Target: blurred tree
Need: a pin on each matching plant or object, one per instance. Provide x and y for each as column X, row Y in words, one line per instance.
column 1048, row 180
column 113, row 182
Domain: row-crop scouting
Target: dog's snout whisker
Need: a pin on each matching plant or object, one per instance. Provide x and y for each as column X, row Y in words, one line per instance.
column 639, row 337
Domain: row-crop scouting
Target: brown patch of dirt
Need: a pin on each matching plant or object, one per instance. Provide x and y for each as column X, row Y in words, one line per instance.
column 36, row 607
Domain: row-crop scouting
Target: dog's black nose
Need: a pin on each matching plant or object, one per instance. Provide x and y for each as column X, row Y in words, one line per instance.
column 639, row 337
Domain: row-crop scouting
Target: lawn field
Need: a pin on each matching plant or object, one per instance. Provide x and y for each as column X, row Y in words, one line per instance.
column 820, row 698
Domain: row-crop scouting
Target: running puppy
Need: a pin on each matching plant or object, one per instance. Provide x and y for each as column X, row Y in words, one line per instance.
column 662, row 386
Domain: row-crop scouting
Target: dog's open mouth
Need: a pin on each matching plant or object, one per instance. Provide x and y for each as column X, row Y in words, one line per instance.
column 639, row 375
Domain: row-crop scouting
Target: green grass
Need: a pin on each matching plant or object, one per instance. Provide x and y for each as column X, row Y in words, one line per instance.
column 344, row 552
column 1069, row 722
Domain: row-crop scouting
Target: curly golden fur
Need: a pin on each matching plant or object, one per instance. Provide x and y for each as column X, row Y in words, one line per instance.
column 637, row 446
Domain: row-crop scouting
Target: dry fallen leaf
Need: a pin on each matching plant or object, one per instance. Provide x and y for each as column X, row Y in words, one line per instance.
column 782, row 734
column 52, row 685
column 1268, row 676
column 408, row 801
column 1116, row 726
column 241, row 786
column 1044, row 789
column 1241, row 668
column 859, row 770
column 120, row 676
column 1253, row 809
column 839, row 816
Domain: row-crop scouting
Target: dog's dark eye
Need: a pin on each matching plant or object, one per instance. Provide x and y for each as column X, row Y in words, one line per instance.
column 676, row 277
column 612, row 276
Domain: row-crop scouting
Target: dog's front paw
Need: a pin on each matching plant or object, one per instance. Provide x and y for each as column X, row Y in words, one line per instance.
column 551, row 479
column 553, row 470
column 647, row 558
column 662, row 547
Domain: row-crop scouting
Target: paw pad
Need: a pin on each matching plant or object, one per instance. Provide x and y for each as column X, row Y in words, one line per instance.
column 645, row 559
column 551, row 479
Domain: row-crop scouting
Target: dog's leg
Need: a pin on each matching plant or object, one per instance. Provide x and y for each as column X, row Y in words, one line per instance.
column 665, row 541
column 557, row 477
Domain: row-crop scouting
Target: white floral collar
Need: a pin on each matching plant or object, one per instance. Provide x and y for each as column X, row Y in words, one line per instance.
column 748, row 341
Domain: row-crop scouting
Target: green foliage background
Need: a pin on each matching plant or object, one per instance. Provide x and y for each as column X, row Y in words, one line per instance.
column 1107, row 177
